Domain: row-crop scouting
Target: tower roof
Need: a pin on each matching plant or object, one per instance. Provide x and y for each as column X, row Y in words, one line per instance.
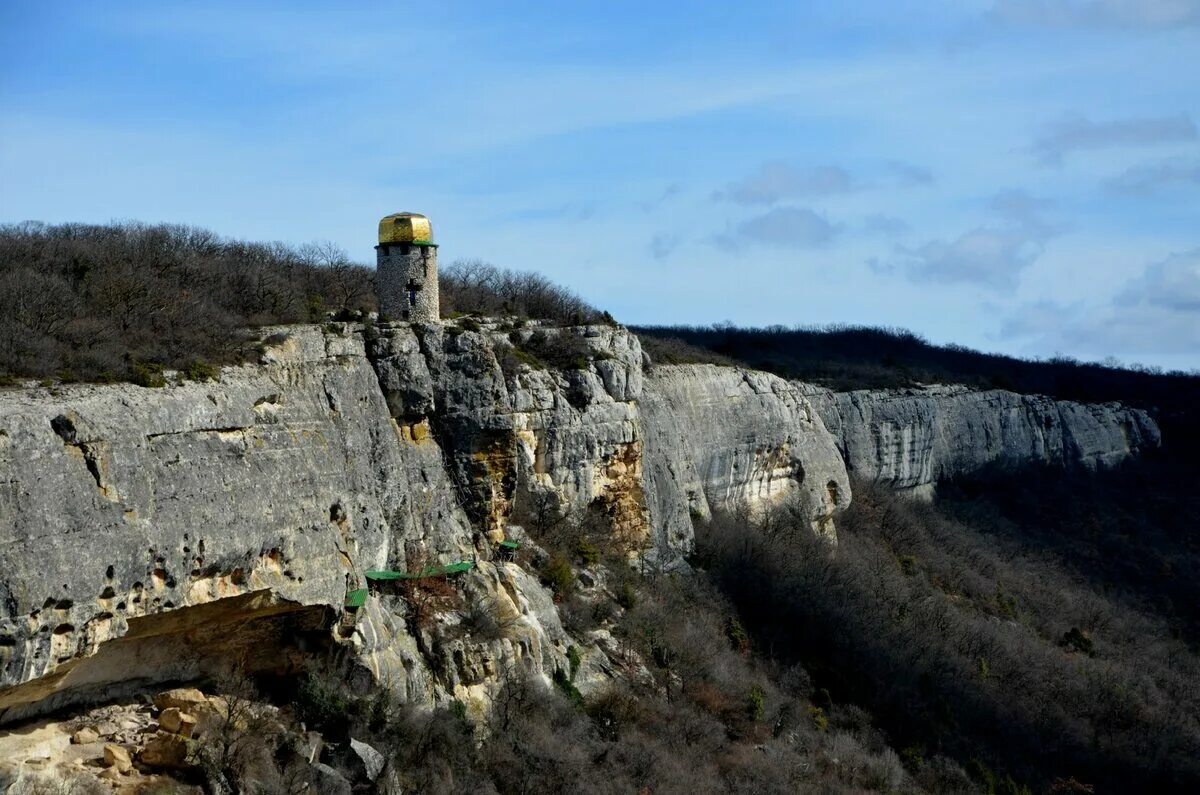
column 406, row 228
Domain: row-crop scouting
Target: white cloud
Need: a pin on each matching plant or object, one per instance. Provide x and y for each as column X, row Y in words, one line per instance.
column 776, row 180
column 992, row 255
column 1150, row 177
column 1119, row 14
column 883, row 224
column 782, row 227
column 1076, row 133
column 984, row 256
column 907, row 175
column 1155, row 314
column 1172, row 285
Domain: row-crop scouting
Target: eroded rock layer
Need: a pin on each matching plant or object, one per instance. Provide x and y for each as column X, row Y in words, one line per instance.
column 151, row 535
column 724, row 437
column 912, row 438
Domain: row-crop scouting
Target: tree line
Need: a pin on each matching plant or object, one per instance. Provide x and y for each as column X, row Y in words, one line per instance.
column 123, row 301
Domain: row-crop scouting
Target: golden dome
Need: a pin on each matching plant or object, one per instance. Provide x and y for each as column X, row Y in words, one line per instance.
column 406, row 228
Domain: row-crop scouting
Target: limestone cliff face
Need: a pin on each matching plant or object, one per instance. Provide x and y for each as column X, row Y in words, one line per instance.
column 724, row 437
column 152, row 535
column 160, row 534
column 912, row 438
column 510, row 422
column 286, row 479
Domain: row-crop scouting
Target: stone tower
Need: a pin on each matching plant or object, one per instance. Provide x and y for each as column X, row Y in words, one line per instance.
column 406, row 277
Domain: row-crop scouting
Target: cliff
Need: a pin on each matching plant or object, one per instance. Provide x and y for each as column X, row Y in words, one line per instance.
column 151, row 535
column 912, row 438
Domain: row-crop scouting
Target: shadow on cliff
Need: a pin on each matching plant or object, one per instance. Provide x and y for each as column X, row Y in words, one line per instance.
column 256, row 633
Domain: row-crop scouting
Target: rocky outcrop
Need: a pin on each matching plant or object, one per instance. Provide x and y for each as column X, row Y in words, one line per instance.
column 121, row 503
column 724, row 437
column 149, row 535
column 510, row 422
column 164, row 534
column 913, row 438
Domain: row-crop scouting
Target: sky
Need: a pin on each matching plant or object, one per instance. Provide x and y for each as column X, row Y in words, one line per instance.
column 1020, row 176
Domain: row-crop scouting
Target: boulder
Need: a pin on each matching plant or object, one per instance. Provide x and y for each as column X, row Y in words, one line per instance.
column 166, row 751
column 184, row 699
column 117, row 757
column 372, row 761
column 327, row 781
column 84, row 736
column 176, row 721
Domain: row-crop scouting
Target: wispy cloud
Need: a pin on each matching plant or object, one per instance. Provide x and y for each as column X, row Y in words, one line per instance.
column 776, row 180
column 1154, row 313
column 780, row 227
column 663, row 244
column 1077, row 133
column 908, row 175
column 670, row 191
column 1172, row 285
column 1150, row 177
column 883, row 224
column 992, row 255
column 1119, row 14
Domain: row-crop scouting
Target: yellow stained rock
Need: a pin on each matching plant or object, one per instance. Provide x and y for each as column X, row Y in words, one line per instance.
column 117, row 757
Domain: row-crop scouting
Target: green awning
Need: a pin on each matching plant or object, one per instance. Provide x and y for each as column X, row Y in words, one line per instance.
column 356, row 599
column 432, row 571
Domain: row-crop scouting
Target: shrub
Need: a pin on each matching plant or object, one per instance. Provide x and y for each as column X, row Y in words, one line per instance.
column 587, row 552
column 197, row 370
column 757, row 703
column 627, row 596
column 557, row 574
column 512, row 358
column 737, row 636
column 574, row 659
column 147, row 374
column 560, row 349
column 320, row 701
column 563, row 682
column 1076, row 640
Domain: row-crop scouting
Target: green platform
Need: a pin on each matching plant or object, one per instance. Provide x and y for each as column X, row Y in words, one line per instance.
column 432, row 571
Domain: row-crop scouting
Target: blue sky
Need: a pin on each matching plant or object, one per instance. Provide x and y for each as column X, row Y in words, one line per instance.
column 1014, row 175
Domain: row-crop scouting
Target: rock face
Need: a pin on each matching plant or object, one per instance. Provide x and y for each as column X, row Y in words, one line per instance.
column 161, row 534
column 721, row 437
column 165, row 534
column 912, row 438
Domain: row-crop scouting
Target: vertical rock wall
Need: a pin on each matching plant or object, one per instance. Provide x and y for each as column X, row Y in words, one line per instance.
column 912, row 438
column 154, row 534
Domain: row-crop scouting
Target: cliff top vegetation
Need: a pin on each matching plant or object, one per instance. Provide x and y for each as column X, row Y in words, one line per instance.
column 123, row 301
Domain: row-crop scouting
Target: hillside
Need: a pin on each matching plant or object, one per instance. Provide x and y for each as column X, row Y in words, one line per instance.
column 504, row 553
